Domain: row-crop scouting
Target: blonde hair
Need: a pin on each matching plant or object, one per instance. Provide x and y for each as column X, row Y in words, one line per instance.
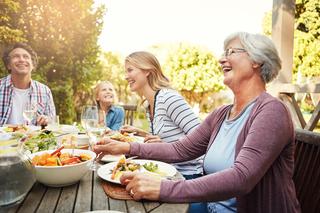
column 97, row 89
column 149, row 63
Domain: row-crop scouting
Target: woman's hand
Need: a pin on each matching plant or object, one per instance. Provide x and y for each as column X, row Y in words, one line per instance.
column 109, row 146
column 129, row 129
column 152, row 139
column 141, row 185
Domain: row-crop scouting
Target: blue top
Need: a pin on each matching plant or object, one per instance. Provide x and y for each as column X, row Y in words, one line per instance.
column 115, row 117
column 221, row 154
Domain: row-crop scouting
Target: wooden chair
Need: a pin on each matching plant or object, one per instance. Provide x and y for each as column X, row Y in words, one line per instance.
column 129, row 111
column 307, row 170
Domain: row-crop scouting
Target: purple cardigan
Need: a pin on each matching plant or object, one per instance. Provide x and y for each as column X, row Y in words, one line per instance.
column 261, row 177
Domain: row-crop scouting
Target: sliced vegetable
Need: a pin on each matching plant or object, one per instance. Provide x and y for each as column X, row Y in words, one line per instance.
column 58, row 159
column 151, row 167
column 57, row 151
column 71, row 160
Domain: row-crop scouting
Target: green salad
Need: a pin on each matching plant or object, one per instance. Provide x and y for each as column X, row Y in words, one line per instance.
column 40, row 142
column 151, row 167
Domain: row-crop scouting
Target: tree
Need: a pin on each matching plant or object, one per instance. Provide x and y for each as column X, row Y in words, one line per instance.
column 64, row 34
column 306, row 61
column 196, row 73
column 8, row 33
column 307, row 38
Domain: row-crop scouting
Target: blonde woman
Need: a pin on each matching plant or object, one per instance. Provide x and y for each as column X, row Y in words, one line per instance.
column 105, row 97
column 169, row 115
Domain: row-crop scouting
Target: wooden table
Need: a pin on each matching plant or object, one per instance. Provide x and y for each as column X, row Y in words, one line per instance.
column 87, row 195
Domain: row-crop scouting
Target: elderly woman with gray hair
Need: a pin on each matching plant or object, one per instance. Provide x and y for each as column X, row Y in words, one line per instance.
column 248, row 145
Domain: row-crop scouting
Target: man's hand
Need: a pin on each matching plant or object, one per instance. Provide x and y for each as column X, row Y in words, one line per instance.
column 42, row 120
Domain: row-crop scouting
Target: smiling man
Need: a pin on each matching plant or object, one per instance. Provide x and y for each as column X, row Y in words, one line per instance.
column 19, row 93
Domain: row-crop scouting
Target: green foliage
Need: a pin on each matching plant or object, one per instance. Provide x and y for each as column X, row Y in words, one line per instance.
column 63, row 98
column 64, row 33
column 267, row 23
column 195, row 72
column 307, row 38
column 8, row 32
column 306, row 59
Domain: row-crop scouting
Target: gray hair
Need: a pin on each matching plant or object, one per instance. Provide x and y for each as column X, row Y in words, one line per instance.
column 261, row 50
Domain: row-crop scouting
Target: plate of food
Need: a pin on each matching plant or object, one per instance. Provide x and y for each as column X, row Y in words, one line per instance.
column 19, row 128
column 126, row 137
column 112, row 171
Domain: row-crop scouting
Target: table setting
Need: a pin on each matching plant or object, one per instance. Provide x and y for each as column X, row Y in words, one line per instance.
column 36, row 154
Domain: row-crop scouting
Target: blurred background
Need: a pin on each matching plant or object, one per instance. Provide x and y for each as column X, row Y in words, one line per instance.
column 82, row 42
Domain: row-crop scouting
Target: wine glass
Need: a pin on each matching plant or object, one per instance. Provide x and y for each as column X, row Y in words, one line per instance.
column 89, row 121
column 54, row 124
column 102, row 118
column 29, row 113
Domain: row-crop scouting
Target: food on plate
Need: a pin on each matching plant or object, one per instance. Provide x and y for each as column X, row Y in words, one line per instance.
column 123, row 165
column 45, row 140
column 15, row 128
column 123, row 137
column 151, row 167
column 57, row 158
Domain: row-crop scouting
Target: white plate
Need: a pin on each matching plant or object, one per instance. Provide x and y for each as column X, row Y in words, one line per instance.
column 105, row 171
column 5, row 136
column 111, row 158
column 63, row 128
column 30, row 129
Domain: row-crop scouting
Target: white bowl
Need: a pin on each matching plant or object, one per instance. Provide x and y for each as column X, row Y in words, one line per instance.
column 82, row 139
column 58, row 176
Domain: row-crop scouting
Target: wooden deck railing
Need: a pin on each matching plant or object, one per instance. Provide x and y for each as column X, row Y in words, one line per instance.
column 286, row 93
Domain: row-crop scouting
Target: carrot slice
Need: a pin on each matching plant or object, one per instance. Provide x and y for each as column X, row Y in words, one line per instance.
column 70, row 160
column 58, row 150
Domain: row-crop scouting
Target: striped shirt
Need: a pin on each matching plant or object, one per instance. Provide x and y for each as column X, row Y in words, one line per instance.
column 40, row 95
column 173, row 118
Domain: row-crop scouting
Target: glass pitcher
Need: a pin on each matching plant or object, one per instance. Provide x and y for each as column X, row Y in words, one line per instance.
column 17, row 174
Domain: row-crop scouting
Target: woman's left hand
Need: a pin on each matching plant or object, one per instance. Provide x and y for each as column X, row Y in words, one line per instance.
column 141, row 185
column 152, row 139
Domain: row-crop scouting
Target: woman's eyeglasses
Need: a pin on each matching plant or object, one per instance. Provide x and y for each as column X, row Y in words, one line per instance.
column 230, row 51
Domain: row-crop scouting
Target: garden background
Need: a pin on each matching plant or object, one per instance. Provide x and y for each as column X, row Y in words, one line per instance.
column 65, row 35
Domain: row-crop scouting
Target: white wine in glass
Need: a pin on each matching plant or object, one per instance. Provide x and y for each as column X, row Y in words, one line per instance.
column 29, row 113
column 89, row 121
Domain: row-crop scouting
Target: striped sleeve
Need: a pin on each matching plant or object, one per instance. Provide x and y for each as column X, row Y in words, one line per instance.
column 179, row 111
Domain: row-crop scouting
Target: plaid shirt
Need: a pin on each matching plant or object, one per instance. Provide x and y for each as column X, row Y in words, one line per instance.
column 39, row 94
